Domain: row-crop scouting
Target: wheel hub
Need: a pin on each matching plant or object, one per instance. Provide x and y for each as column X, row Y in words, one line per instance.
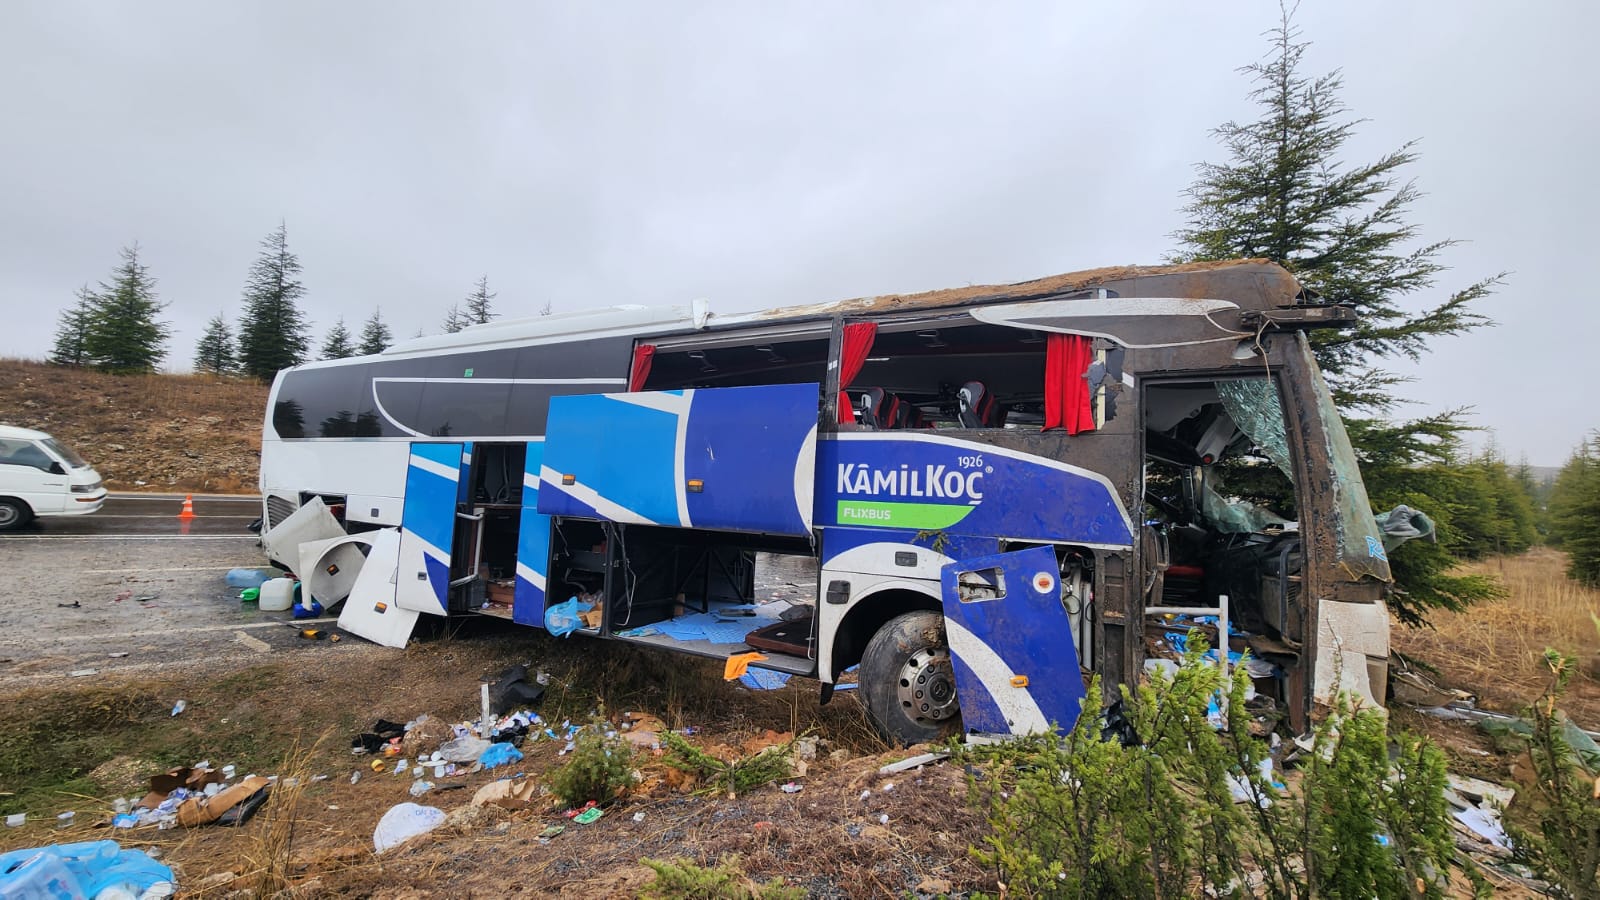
column 8, row 514
column 927, row 686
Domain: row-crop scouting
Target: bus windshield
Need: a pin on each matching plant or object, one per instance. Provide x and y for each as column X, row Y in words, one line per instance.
column 1361, row 552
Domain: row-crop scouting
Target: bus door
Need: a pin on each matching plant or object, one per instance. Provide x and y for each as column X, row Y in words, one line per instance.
column 533, row 545
column 428, row 525
column 1010, row 638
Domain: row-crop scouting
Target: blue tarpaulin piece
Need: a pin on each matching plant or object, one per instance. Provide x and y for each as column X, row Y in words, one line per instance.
column 764, row 679
column 717, row 627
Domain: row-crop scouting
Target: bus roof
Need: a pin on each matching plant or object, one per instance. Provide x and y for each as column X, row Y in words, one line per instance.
column 1249, row 283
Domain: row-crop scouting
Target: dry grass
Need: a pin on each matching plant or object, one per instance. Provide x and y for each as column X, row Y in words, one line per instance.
column 1495, row 649
column 269, row 858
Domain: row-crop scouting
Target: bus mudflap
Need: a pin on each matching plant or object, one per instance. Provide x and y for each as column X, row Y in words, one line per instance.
column 733, row 459
column 428, row 522
column 1011, row 643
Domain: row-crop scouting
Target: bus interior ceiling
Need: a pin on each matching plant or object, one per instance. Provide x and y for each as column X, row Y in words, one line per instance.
column 1222, row 521
column 701, row 592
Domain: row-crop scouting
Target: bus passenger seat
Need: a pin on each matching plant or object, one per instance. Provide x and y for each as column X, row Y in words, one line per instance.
column 977, row 406
column 909, row 416
column 879, row 408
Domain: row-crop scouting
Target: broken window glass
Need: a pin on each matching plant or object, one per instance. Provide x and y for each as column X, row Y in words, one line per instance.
column 1253, row 405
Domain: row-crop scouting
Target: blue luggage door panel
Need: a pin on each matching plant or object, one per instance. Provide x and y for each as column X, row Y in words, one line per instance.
column 736, row 459
column 428, row 523
column 1011, row 643
column 533, row 546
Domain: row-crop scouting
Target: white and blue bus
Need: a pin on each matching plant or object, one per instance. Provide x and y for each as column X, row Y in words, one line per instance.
column 975, row 498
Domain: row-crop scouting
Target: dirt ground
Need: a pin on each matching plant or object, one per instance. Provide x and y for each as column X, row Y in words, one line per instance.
column 103, row 737
column 144, row 432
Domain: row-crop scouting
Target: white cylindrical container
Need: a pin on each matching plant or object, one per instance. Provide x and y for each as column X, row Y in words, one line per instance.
column 277, row 594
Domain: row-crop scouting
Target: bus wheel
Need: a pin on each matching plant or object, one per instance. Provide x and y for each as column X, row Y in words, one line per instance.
column 908, row 682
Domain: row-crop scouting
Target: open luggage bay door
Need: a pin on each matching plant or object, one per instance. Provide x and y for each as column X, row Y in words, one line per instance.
column 1011, row 643
column 428, row 522
column 710, row 458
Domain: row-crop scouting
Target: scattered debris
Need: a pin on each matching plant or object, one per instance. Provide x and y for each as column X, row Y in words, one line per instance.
column 404, row 822
column 589, row 816
column 508, row 793
column 915, row 762
column 87, row 869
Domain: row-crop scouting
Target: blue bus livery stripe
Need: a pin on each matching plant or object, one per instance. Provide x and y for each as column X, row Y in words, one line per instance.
column 533, row 546
column 928, row 482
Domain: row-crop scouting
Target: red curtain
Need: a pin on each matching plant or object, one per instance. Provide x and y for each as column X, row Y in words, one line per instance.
column 858, row 337
column 643, row 355
column 1066, row 394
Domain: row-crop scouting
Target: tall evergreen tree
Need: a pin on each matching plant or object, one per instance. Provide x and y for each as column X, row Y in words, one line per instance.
column 479, row 310
column 274, row 333
column 338, row 345
column 124, row 334
column 375, row 335
column 214, row 353
column 70, row 349
column 1287, row 194
column 454, row 321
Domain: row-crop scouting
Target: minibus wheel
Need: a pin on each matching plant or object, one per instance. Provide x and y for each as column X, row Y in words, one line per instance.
column 908, row 681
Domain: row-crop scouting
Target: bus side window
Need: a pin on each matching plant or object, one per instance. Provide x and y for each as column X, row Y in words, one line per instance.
column 758, row 362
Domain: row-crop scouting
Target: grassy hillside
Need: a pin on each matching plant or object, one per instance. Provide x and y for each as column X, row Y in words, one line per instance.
column 144, row 432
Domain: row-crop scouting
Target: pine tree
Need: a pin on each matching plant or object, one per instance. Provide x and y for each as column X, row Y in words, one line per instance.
column 273, row 334
column 375, row 335
column 338, row 345
column 478, row 304
column 123, row 334
column 1575, row 512
column 454, row 321
column 214, row 353
column 69, row 348
column 1287, row 194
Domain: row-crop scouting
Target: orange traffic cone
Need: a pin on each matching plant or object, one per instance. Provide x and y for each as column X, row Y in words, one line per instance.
column 188, row 507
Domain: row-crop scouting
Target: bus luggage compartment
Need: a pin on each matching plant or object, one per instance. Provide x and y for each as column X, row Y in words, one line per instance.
column 731, row 459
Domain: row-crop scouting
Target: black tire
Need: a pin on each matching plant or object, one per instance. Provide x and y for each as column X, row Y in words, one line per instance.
column 13, row 514
column 907, row 681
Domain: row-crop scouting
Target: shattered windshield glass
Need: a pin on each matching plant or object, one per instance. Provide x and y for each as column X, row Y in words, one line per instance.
column 1232, row 515
column 1254, row 406
column 1361, row 550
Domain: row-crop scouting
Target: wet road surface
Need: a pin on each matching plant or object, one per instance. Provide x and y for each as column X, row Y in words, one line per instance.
column 148, row 515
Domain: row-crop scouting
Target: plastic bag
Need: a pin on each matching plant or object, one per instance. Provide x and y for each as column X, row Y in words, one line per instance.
column 499, row 755
column 562, row 619
column 465, row 750
column 404, row 822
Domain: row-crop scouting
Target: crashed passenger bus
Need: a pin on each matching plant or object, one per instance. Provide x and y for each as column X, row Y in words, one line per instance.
column 992, row 492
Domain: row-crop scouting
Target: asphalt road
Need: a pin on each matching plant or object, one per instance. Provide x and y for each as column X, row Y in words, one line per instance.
column 129, row 515
column 133, row 587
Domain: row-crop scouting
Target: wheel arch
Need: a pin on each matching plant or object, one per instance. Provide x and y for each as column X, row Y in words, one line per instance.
column 870, row 613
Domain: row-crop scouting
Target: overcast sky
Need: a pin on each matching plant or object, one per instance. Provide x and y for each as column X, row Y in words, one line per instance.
column 587, row 154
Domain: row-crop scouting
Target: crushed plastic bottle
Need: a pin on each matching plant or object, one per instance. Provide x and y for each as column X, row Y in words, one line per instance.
column 420, row 787
column 179, row 707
